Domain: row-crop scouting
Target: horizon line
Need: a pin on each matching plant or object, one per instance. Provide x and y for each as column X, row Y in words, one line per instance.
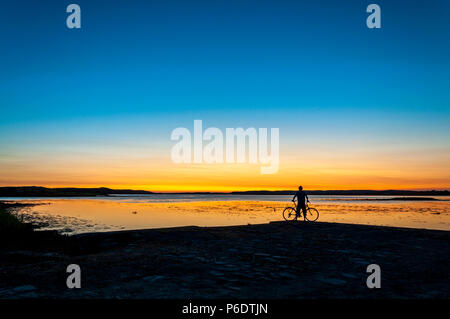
column 237, row 191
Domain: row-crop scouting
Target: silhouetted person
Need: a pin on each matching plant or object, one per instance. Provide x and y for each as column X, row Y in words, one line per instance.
column 302, row 198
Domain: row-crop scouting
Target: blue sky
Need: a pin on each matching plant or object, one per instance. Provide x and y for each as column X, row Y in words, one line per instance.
column 138, row 69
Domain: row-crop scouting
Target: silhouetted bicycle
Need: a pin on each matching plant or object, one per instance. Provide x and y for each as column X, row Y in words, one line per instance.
column 290, row 213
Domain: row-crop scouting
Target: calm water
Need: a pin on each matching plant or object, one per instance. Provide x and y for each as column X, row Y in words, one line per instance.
column 120, row 212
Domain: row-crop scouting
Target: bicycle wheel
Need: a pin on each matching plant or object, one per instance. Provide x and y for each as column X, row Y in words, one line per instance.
column 312, row 214
column 289, row 214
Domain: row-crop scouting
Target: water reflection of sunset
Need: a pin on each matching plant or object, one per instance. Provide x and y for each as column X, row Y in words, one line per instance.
column 82, row 215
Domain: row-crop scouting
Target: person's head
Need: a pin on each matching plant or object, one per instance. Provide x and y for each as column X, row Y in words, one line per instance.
column 300, row 188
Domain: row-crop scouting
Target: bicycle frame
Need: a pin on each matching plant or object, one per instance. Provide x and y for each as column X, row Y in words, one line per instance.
column 296, row 205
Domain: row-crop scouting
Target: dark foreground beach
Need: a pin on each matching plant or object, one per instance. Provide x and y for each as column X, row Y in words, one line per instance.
column 275, row 260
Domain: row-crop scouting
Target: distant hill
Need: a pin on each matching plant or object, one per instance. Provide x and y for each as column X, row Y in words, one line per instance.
column 37, row 191
column 352, row 192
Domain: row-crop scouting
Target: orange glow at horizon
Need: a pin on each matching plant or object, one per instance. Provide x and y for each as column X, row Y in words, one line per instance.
column 316, row 171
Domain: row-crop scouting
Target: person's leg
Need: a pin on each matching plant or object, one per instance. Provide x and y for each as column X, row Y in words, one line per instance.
column 304, row 210
column 297, row 211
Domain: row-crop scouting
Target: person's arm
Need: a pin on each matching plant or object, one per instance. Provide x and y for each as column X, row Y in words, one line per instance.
column 293, row 199
column 307, row 199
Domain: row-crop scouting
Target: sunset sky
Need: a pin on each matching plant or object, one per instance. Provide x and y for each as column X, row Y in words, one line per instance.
column 357, row 108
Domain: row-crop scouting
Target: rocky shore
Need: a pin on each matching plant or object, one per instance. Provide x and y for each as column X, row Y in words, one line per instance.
column 275, row 260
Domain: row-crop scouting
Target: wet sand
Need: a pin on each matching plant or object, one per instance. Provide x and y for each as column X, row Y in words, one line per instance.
column 272, row 260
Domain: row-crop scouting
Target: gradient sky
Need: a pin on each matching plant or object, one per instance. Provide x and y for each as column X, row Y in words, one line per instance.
column 357, row 108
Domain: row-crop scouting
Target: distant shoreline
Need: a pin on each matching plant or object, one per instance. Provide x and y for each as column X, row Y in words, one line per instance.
column 37, row 191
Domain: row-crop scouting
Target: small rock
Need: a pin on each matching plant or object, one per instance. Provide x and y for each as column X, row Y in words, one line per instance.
column 350, row 276
column 286, row 275
column 216, row 273
column 24, row 288
column 153, row 278
column 333, row 281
